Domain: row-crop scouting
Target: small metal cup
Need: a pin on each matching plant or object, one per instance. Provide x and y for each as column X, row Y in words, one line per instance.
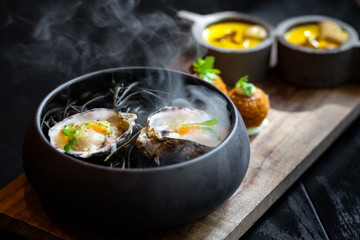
column 234, row 63
column 313, row 67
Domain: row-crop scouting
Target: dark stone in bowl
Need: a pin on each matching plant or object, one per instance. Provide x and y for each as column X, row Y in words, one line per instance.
column 234, row 63
column 156, row 197
column 317, row 68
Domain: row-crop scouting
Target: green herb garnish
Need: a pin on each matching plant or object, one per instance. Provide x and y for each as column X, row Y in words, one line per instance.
column 243, row 87
column 206, row 126
column 70, row 144
column 69, row 130
column 210, row 122
column 74, row 132
column 205, row 69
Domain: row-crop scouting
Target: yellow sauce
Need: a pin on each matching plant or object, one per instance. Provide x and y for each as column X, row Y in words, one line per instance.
column 233, row 35
column 310, row 35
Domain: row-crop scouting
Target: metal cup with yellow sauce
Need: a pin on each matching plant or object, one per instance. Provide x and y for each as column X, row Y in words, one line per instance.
column 234, row 35
column 240, row 43
column 321, row 35
column 317, row 51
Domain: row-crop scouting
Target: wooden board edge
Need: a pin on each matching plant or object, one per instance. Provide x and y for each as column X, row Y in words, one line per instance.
column 24, row 229
column 291, row 178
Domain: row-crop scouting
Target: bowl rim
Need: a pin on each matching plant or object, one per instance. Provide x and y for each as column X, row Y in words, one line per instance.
column 203, row 21
column 289, row 23
column 37, row 117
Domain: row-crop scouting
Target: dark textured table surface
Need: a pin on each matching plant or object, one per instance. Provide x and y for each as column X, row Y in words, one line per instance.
column 44, row 44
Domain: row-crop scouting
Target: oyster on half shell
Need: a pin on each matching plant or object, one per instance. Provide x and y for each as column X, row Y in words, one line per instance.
column 181, row 130
column 94, row 132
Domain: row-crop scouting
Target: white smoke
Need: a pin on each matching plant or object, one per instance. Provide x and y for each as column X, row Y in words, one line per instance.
column 76, row 37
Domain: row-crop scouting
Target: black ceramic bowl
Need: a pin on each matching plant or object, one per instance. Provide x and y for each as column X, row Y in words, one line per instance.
column 154, row 197
column 317, row 68
column 234, row 63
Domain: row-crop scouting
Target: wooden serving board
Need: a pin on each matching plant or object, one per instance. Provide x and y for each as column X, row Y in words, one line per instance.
column 303, row 123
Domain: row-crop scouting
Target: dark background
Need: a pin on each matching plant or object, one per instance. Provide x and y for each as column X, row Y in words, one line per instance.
column 45, row 43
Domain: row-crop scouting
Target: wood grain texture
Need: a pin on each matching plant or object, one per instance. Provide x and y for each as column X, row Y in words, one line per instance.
column 291, row 217
column 333, row 185
column 303, row 123
column 324, row 202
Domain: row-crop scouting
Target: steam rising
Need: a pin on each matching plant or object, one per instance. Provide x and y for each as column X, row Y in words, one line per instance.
column 77, row 37
column 72, row 38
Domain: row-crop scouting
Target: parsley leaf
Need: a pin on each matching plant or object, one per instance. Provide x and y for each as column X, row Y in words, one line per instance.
column 243, row 87
column 205, row 69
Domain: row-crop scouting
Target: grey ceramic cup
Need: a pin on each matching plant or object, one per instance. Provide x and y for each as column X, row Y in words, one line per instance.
column 234, row 64
column 317, row 68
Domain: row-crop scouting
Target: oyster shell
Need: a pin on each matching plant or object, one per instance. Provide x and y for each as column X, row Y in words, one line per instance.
column 94, row 132
column 182, row 130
